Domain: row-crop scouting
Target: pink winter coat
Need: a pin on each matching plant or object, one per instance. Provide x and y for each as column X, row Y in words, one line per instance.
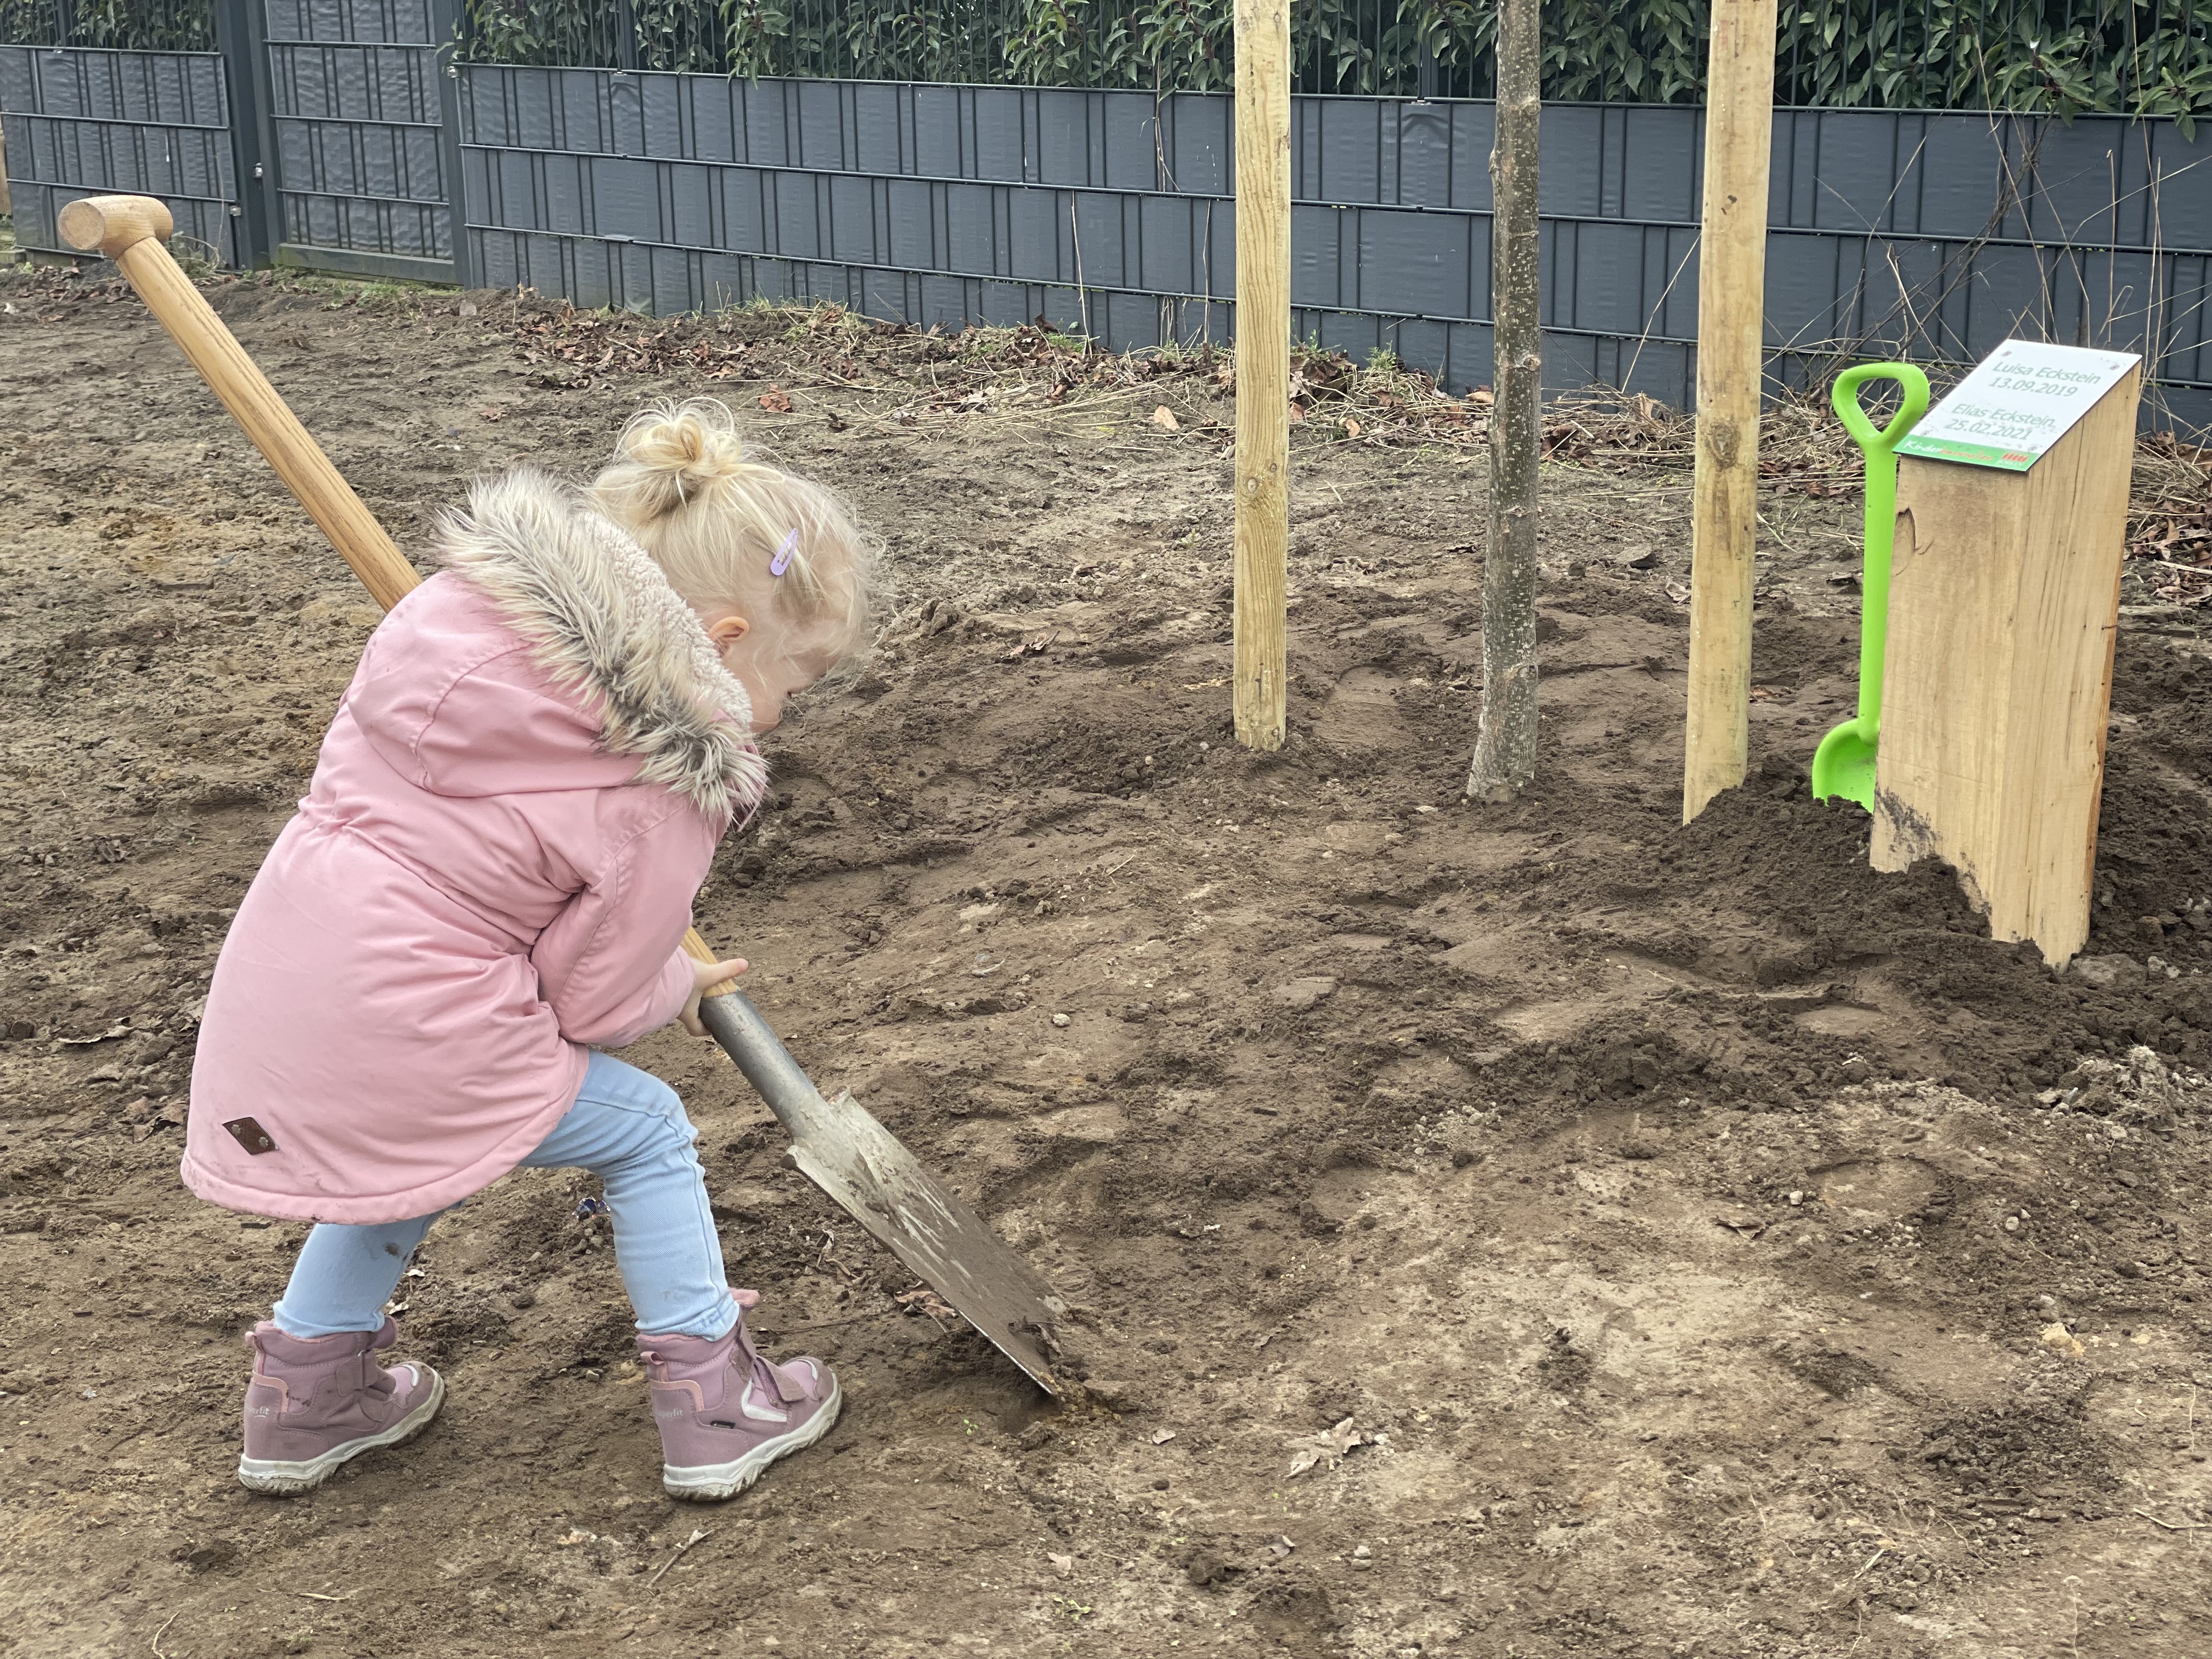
column 492, row 872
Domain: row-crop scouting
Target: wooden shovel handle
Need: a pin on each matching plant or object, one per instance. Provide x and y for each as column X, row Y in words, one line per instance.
column 131, row 230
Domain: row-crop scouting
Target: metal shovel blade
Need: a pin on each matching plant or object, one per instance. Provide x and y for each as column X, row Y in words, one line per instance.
column 925, row 1223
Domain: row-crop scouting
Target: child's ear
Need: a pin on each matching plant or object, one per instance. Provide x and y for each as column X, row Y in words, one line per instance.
column 727, row 630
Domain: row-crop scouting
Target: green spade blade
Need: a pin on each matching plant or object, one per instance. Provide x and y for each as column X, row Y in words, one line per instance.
column 1843, row 764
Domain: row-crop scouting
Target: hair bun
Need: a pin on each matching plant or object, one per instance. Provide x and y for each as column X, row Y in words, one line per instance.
column 676, row 452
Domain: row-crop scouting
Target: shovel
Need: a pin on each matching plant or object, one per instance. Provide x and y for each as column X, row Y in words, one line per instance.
column 836, row 1145
column 1843, row 764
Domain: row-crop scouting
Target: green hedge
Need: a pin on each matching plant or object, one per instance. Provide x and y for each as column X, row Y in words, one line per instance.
column 2062, row 57
column 134, row 25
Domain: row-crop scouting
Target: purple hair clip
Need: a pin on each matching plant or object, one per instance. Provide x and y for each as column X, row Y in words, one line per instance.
column 782, row 563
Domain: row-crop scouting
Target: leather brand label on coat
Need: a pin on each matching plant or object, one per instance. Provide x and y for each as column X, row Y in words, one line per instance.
column 251, row 1135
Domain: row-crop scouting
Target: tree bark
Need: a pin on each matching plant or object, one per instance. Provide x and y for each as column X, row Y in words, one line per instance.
column 1506, row 735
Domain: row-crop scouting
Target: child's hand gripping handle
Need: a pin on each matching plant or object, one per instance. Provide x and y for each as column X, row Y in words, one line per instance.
column 733, row 1021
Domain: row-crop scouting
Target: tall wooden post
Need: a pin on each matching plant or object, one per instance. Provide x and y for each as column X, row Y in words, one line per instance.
column 1731, row 324
column 1505, row 735
column 1263, row 366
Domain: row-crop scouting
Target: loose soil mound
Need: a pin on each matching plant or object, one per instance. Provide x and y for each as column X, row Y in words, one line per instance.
column 1651, row 1240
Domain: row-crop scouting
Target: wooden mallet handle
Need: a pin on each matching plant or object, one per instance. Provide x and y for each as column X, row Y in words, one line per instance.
column 131, row 230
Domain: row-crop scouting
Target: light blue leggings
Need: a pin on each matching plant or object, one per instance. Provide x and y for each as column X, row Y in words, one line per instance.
column 627, row 1128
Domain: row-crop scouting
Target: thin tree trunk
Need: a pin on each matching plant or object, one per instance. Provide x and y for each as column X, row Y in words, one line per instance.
column 1505, row 740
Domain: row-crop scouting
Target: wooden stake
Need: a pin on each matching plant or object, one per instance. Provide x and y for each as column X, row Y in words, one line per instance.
column 2004, row 593
column 1731, row 327
column 1506, row 735
column 1263, row 367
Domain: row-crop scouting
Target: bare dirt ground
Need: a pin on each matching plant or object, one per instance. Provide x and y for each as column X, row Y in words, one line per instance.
column 1698, row 1244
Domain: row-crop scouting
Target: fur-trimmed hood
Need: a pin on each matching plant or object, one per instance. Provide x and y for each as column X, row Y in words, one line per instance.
column 601, row 620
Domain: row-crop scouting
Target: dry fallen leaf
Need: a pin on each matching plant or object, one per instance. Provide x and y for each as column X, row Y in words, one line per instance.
column 923, row 1300
column 1351, row 428
column 1063, row 1564
column 1163, row 417
column 1335, row 1443
column 776, row 400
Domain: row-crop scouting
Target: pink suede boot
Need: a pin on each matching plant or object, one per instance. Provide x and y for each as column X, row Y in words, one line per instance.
column 726, row 1411
column 314, row 1402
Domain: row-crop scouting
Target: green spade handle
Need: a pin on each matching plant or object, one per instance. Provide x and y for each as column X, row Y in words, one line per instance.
column 1881, row 449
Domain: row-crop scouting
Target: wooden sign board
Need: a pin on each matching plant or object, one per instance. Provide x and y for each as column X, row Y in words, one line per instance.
column 2003, row 612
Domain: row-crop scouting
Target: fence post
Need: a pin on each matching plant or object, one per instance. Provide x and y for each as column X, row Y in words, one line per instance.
column 241, row 35
column 626, row 35
column 446, row 32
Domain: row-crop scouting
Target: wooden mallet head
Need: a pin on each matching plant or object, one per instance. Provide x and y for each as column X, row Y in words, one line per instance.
column 111, row 224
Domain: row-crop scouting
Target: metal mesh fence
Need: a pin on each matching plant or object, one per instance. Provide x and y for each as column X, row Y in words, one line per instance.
column 130, row 25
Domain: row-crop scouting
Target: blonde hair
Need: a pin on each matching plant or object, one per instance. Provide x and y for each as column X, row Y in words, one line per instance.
column 715, row 522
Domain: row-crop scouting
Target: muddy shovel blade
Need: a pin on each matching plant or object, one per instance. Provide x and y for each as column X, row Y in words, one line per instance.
column 925, row 1223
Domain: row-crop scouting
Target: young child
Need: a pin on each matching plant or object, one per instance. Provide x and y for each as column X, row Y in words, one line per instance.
column 486, row 887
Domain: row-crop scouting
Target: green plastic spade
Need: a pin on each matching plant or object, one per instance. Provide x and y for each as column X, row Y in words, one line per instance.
column 1843, row 764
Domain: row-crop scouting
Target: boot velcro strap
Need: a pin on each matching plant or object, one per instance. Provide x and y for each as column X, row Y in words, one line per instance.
column 790, row 1393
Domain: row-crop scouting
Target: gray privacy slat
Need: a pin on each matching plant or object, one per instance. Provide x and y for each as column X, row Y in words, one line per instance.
column 1411, row 264
column 1063, row 129
column 999, row 153
column 1854, row 180
column 877, row 113
column 19, row 82
column 2075, row 170
column 167, row 88
column 360, row 159
column 401, row 22
column 355, row 83
column 1425, row 154
column 1569, row 177
column 1661, row 152
column 1202, row 155
column 1608, row 291
column 1958, row 177
column 821, row 126
column 660, row 99
column 1130, row 135
column 937, row 132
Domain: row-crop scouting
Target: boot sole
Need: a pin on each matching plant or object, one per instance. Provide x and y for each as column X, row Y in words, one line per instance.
column 280, row 1479
column 711, row 1483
